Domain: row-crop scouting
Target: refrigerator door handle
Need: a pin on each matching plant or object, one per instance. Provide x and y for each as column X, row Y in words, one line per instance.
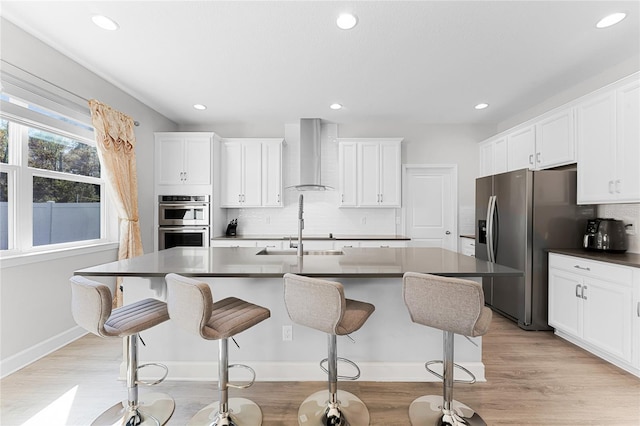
column 489, row 233
column 490, row 215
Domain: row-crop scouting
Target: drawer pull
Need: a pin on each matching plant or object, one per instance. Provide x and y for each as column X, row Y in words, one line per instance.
column 584, row 268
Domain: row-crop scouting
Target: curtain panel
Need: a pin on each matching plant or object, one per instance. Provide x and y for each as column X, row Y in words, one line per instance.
column 115, row 139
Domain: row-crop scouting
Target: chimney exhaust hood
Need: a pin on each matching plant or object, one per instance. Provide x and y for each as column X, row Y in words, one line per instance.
column 310, row 157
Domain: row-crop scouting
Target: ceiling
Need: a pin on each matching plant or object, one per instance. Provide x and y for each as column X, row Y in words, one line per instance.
column 417, row 61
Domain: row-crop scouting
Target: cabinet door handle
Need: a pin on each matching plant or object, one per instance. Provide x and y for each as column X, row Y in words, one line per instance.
column 610, row 187
column 531, row 159
column 638, row 309
column 278, row 198
column 342, row 198
column 239, row 198
column 584, row 268
column 584, row 295
column 380, row 197
column 185, row 176
column 578, row 290
column 618, row 186
column 538, row 160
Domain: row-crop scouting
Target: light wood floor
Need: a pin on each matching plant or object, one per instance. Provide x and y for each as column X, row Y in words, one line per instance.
column 533, row 378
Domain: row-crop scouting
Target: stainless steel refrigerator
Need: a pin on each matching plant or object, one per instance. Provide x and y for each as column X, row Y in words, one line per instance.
column 519, row 215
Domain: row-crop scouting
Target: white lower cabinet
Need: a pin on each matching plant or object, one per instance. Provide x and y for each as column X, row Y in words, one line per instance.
column 596, row 306
column 240, row 242
column 340, row 244
column 467, row 246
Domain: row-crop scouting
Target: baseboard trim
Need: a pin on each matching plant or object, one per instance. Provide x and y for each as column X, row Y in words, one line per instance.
column 22, row 359
column 626, row 366
column 310, row 371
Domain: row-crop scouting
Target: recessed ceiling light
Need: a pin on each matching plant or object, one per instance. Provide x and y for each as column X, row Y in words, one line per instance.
column 346, row 21
column 481, row 106
column 105, row 22
column 200, row 107
column 335, row 106
column 610, row 20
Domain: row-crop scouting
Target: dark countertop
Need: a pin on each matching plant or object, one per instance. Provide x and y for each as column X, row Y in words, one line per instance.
column 626, row 259
column 473, row 237
column 355, row 263
column 314, row 237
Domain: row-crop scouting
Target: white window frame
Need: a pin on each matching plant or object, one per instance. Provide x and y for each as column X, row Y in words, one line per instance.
column 20, row 192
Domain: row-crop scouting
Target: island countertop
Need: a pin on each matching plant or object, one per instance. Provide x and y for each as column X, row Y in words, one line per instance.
column 246, row 262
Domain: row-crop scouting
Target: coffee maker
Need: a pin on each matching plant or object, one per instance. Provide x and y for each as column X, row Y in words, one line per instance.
column 605, row 234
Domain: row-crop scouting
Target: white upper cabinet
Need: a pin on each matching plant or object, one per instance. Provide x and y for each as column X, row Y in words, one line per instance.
column 251, row 172
column 493, row 156
column 555, row 140
column 608, row 134
column 521, row 146
column 272, row 173
column 348, row 163
column 548, row 141
column 370, row 172
column 183, row 158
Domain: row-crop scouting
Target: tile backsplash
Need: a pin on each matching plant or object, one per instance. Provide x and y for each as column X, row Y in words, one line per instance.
column 321, row 217
column 628, row 213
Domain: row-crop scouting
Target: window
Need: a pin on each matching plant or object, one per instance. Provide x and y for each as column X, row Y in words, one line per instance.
column 51, row 192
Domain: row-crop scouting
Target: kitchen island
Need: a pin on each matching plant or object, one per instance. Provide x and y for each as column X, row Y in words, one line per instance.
column 389, row 347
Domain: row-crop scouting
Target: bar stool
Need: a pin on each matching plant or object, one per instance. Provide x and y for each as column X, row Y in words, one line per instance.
column 321, row 305
column 191, row 306
column 453, row 306
column 91, row 309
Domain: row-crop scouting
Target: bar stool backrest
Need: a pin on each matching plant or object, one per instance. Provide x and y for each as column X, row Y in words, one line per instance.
column 314, row 303
column 189, row 302
column 90, row 304
column 448, row 304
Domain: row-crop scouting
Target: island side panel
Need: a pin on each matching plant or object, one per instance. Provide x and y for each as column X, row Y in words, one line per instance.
column 389, row 347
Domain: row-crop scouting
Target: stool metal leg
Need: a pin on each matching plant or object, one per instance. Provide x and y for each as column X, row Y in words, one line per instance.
column 152, row 409
column 434, row 410
column 227, row 411
column 341, row 408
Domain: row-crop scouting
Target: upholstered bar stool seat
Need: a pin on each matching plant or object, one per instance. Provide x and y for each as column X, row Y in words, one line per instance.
column 321, row 305
column 91, row 309
column 191, row 306
column 454, row 306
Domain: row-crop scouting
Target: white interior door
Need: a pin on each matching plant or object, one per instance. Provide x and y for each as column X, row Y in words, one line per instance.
column 431, row 204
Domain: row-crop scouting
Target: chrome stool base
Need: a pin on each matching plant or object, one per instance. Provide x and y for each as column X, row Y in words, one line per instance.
column 427, row 411
column 242, row 412
column 154, row 409
column 312, row 410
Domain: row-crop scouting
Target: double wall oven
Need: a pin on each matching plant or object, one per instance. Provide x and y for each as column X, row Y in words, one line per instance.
column 183, row 221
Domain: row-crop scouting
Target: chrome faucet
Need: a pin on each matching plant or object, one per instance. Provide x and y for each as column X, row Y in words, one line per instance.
column 298, row 246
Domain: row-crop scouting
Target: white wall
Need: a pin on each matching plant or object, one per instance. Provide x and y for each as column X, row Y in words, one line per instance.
column 574, row 90
column 35, row 297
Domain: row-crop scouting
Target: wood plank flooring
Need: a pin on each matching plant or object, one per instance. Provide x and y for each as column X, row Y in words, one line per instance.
column 533, row 378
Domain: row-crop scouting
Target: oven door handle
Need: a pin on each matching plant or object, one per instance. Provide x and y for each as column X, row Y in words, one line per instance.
column 184, row 205
column 182, row 228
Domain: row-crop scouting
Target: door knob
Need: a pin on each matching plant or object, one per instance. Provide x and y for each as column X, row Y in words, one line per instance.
column 448, row 233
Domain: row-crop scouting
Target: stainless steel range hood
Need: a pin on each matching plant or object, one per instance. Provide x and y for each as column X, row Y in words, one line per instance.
column 310, row 157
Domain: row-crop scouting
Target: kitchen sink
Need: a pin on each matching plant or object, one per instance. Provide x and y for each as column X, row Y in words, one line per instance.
column 305, row 252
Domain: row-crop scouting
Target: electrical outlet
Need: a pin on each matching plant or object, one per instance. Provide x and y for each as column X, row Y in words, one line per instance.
column 287, row 333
